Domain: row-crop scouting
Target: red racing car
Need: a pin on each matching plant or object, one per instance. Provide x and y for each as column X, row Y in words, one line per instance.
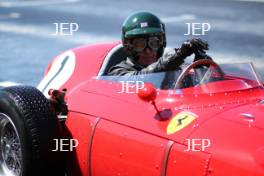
column 203, row 120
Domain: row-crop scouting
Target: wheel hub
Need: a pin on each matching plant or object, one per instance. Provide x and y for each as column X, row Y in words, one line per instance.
column 10, row 148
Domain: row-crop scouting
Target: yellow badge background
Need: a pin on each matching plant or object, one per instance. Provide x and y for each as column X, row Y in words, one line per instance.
column 180, row 121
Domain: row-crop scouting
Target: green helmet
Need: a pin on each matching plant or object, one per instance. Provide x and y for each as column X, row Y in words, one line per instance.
column 143, row 24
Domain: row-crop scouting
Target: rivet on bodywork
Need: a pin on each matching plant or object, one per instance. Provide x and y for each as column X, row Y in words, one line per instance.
column 195, row 125
column 210, row 170
column 157, row 166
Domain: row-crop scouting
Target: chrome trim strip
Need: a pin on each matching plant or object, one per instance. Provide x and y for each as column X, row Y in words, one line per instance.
column 90, row 145
column 166, row 157
column 62, row 118
column 250, row 116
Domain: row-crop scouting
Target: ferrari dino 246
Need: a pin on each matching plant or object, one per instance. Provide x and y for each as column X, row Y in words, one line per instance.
column 204, row 120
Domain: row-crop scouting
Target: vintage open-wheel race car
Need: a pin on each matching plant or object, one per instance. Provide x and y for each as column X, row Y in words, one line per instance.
column 203, row 120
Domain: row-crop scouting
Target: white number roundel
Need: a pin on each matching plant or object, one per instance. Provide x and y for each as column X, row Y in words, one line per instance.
column 59, row 73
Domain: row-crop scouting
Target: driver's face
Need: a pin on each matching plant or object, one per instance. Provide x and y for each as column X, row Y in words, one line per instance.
column 147, row 57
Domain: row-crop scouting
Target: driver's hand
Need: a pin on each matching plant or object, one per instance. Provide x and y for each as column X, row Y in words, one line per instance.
column 199, row 44
column 201, row 55
column 191, row 46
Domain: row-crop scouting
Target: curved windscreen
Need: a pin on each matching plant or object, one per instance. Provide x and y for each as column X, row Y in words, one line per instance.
column 225, row 77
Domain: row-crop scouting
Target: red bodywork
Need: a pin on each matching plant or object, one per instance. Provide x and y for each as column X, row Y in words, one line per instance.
column 119, row 134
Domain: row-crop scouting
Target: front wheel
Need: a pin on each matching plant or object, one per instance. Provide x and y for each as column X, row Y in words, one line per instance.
column 10, row 147
column 28, row 126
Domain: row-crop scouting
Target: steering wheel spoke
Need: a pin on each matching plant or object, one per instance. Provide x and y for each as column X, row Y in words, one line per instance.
column 204, row 78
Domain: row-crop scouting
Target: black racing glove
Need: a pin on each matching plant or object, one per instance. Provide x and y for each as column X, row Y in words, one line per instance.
column 200, row 54
column 192, row 46
column 173, row 59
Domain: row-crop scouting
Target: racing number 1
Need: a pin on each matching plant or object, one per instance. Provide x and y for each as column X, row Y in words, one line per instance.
column 60, row 72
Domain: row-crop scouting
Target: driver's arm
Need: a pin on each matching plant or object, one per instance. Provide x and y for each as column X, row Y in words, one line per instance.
column 170, row 61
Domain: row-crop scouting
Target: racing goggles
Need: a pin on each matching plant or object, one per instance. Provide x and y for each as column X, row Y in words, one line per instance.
column 139, row 44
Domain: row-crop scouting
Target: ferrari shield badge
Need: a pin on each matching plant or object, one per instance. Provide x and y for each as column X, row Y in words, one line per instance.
column 180, row 121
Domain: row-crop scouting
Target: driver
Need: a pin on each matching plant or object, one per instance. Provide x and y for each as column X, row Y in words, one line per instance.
column 144, row 39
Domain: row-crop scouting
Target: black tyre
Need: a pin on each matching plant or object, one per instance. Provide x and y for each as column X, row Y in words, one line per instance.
column 28, row 126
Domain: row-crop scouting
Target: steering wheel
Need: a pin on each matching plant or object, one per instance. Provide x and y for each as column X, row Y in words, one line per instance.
column 202, row 62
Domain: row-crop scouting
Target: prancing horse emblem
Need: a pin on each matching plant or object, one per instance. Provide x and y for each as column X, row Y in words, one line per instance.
column 180, row 121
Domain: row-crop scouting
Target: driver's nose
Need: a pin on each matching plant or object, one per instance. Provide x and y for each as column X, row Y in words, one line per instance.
column 148, row 50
